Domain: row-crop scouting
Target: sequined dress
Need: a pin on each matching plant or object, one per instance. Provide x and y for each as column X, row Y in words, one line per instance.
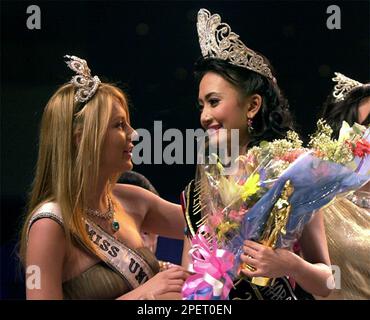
column 347, row 229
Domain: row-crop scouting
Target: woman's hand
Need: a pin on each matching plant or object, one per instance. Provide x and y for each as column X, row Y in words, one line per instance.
column 312, row 273
column 168, row 281
column 268, row 262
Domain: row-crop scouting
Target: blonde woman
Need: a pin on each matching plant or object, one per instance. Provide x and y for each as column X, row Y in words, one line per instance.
column 81, row 235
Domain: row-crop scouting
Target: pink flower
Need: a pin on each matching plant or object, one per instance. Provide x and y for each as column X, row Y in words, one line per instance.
column 292, row 156
column 237, row 216
column 215, row 219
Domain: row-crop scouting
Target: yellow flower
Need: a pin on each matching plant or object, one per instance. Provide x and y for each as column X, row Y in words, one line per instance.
column 229, row 190
column 224, row 228
column 220, row 167
column 251, row 186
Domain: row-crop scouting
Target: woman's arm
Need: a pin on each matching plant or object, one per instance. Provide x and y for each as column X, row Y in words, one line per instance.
column 313, row 274
column 164, row 218
column 164, row 285
column 44, row 261
column 156, row 215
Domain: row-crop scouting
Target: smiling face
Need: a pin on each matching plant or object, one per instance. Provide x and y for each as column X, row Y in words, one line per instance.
column 117, row 147
column 222, row 106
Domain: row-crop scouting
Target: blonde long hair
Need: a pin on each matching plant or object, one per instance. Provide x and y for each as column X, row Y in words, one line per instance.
column 70, row 144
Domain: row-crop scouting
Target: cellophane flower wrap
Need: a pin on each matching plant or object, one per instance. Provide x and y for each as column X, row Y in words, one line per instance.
column 236, row 207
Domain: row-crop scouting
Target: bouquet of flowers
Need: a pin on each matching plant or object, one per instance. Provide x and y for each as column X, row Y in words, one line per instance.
column 277, row 188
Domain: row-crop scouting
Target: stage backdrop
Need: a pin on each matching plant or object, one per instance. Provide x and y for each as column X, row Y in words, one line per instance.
column 149, row 49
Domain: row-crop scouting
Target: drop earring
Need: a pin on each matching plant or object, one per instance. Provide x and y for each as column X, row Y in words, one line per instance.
column 250, row 125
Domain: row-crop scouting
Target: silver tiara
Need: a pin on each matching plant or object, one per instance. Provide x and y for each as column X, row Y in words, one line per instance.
column 344, row 86
column 86, row 84
column 218, row 41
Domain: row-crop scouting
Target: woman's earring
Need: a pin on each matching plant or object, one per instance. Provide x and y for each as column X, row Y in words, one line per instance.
column 250, row 125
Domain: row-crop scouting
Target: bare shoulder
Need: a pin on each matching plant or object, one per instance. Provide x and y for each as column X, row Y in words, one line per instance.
column 46, row 251
column 46, row 234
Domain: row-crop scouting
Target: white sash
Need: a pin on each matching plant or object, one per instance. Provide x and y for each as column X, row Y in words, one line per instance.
column 124, row 260
column 127, row 262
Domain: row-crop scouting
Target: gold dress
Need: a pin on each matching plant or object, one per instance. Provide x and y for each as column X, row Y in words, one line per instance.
column 102, row 282
column 347, row 229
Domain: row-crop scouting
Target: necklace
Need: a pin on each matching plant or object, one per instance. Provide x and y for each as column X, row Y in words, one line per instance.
column 362, row 199
column 106, row 215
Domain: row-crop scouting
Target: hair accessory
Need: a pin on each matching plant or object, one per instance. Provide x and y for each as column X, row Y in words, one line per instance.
column 86, row 84
column 344, row 86
column 218, row 41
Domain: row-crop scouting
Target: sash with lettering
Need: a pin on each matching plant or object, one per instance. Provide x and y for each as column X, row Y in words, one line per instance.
column 124, row 260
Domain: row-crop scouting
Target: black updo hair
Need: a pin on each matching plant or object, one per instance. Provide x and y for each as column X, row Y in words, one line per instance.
column 335, row 112
column 274, row 118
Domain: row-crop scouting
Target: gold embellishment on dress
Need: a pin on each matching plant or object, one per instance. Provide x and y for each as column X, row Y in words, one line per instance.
column 202, row 221
column 188, row 220
column 257, row 292
column 347, row 229
column 196, row 205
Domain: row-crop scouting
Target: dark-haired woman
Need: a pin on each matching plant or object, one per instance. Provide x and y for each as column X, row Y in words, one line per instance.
column 350, row 102
column 347, row 219
column 237, row 90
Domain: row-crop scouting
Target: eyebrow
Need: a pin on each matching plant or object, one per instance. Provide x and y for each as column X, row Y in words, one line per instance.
column 122, row 116
column 207, row 96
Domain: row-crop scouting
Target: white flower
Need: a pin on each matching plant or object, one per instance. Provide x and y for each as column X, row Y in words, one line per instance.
column 345, row 132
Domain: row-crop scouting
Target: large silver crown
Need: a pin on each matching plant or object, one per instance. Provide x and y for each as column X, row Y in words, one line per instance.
column 86, row 84
column 344, row 86
column 218, row 41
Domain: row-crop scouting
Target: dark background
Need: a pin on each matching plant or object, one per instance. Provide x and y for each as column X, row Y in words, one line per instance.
column 149, row 49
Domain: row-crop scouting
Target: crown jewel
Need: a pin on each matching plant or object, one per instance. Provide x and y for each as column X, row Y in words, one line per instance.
column 344, row 86
column 218, row 41
column 86, row 84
